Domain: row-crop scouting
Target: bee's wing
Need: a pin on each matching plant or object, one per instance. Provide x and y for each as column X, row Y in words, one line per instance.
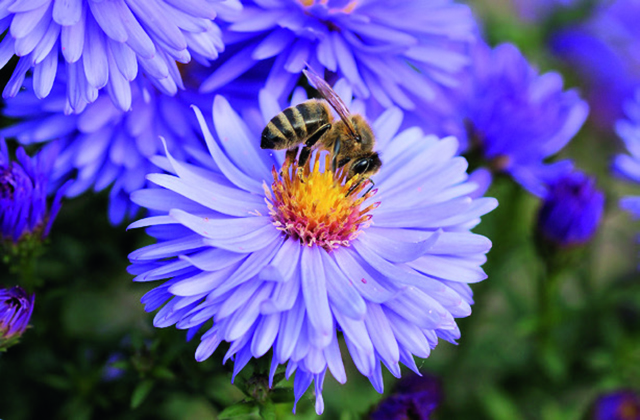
column 332, row 97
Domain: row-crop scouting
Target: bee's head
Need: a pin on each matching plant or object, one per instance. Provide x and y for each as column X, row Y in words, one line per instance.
column 366, row 166
column 364, row 134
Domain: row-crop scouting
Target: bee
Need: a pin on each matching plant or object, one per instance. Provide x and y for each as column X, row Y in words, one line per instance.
column 350, row 140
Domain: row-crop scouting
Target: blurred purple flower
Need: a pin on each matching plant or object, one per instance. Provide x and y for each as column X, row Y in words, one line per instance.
column 111, row 370
column 103, row 44
column 16, row 307
column 23, row 194
column 571, row 211
column 238, row 249
column 617, row 405
column 104, row 145
column 517, row 117
column 604, row 51
column 628, row 166
column 415, row 397
column 400, row 53
column 535, row 10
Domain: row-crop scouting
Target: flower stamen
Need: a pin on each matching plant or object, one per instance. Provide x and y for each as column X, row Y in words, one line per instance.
column 316, row 207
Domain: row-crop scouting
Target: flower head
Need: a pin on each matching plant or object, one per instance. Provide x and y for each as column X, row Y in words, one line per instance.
column 16, row 307
column 571, row 211
column 618, row 405
column 535, row 10
column 264, row 255
column 399, row 53
column 602, row 51
column 105, row 146
column 414, row 397
column 518, row 118
column 106, row 44
column 24, row 184
column 628, row 166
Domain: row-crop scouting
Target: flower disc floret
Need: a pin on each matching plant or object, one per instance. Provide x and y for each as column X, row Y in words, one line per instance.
column 318, row 207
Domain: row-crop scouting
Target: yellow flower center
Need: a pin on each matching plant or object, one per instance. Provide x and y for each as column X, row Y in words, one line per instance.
column 346, row 9
column 318, row 208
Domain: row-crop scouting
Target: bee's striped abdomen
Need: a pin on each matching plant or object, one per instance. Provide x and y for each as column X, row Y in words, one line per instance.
column 294, row 117
column 293, row 125
column 277, row 134
column 315, row 114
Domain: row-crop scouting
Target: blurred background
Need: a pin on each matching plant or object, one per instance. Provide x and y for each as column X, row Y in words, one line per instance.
column 94, row 354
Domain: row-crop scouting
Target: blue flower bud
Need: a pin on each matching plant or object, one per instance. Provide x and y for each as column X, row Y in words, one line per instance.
column 16, row 307
column 572, row 210
column 617, row 405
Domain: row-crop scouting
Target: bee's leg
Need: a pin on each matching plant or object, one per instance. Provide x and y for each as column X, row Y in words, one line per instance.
column 357, row 184
column 353, row 187
column 334, row 161
column 289, row 160
column 304, row 156
column 373, row 184
column 313, row 138
column 291, row 155
column 310, row 142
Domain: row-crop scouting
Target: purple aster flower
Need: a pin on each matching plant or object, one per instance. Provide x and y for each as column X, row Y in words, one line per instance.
column 105, row 146
column 104, row 44
column 399, row 53
column 571, row 211
column 517, row 117
column 628, row 166
column 24, row 184
column 414, row 397
column 603, row 51
column 16, row 307
column 286, row 260
column 617, row 405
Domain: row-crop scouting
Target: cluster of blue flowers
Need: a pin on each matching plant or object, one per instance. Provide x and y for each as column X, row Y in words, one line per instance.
column 121, row 87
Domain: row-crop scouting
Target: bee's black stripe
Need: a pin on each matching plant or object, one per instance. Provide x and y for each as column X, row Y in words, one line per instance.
column 281, row 122
column 313, row 115
column 307, row 114
column 296, row 121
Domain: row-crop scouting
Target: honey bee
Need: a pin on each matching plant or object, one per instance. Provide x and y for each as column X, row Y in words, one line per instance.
column 350, row 140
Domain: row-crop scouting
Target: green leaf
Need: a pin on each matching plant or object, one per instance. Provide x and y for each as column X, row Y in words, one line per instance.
column 57, row 382
column 141, row 393
column 268, row 411
column 238, row 410
column 162, row 372
column 498, row 406
column 281, row 395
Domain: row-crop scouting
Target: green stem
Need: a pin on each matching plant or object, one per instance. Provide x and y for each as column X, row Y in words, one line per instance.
column 548, row 288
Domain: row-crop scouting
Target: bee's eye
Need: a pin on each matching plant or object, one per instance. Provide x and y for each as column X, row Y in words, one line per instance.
column 361, row 166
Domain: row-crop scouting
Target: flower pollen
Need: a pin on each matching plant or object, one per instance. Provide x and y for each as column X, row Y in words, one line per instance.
column 348, row 8
column 318, row 208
